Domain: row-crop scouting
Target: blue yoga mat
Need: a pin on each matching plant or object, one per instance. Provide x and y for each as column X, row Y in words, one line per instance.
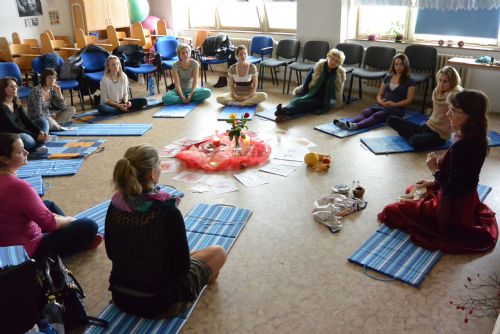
column 120, row 322
column 175, row 111
column 334, row 130
column 269, row 115
column 397, row 144
column 55, row 167
column 98, row 212
column 238, row 111
column 37, row 183
column 391, row 252
column 12, row 256
column 79, row 148
column 105, row 130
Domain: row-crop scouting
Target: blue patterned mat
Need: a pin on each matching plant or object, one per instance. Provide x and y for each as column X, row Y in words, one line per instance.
column 334, row 130
column 37, row 183
column 120, row 322
column 12, row 256
column 71, row 148
column 93, row 116
column 175, row 111
column 397, row 144
column 239, row 111
column 391, row 252
column 55, row 167
column 105, row 130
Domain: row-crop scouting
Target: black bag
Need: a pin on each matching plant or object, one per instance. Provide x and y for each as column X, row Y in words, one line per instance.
column 71, row 69
column 132, row 54
column 54, row 278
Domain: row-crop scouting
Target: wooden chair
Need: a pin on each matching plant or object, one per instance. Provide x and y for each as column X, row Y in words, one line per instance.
column 57, row 45
column 83, row 40
column 144, row 36
column 117, row 38
column 33, row 43
column 5, row 50
column 162, row 30
column 22, row 55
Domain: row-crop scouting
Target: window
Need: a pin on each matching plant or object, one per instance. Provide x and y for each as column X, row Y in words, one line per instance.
column 202, row 14
column 238, row 15
column 429, row 24
column 281, row 15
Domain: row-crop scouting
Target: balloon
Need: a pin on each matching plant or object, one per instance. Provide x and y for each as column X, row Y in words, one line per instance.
column 150, row 23
column 139, row 9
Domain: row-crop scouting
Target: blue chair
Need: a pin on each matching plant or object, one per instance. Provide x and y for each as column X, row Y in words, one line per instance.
column 167, row 50
column 38, row 66
column 262, row 47
column 12, row 70
column 93, row 69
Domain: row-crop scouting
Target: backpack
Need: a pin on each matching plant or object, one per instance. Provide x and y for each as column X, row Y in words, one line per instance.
column 71, row 69
column 51, row 60
column 133, row 55
column 212, row 44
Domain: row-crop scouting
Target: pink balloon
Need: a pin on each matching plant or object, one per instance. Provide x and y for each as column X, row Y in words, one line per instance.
column 150, row 23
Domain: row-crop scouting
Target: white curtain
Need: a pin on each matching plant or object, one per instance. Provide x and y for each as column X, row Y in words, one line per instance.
column 435, row 4
column 383, row 2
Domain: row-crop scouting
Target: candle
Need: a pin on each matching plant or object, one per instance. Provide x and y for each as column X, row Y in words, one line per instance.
column 215, row 141
column 246, row 142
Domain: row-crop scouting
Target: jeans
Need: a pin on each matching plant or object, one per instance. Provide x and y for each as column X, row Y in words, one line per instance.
column 418, row 136
column 30, row 143
column 137, row 103
column 70, row 239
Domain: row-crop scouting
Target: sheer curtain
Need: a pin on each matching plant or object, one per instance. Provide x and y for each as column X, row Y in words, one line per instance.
column 435, row 4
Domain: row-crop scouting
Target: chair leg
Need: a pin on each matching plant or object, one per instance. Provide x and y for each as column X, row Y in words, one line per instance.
column 425, row 95
column 71, row 95
column 289, row 79
column 130, row 92
column 165, row 79
column 284, row 79
column 299, row 77
column 80, row 96
column 350, row 90
column 360, row 89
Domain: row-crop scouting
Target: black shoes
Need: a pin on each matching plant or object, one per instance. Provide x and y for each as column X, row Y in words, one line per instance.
column 222, row 82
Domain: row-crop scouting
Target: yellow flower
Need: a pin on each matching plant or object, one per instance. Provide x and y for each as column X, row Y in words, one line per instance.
column 232, row 116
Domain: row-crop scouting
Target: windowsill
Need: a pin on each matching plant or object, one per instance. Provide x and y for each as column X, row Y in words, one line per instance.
column 441, row 49
column 252, row 32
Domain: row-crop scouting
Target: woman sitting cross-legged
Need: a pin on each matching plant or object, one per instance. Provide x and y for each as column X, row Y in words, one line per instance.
column 46, row 100
column 242, row 80
column 323, row 84
column 451, row 218
column 114, row 90
column 437, row 130
column 153, row 274
column 40, row 226
column 185, row 76
column 395, row 93
column 13, row 119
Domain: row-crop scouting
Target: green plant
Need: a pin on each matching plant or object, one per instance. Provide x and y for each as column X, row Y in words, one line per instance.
column 396, row 29
column 237, row 125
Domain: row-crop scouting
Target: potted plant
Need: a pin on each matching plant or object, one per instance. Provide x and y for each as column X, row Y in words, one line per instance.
column 396, row 31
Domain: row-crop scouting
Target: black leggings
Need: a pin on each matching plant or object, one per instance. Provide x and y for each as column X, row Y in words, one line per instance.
column 418, row 136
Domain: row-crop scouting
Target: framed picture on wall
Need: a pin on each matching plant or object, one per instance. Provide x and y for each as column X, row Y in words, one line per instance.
column 29, row 7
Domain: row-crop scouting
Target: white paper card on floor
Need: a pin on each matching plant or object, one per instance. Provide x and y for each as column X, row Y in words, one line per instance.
column 273, row 168
column 168, row 166
column 221, row 184
column 190, row 177
column 200, row 188
column 170, row 151
column 295, row 153
column 250, row 178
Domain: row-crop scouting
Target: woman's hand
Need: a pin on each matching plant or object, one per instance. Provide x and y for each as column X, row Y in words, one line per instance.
column 188, row 99
column 426, row 183
column 56, row 88
column 42, row 137
column 129, row 104
column 432, row 162
column 62, row 221
column 123, row 106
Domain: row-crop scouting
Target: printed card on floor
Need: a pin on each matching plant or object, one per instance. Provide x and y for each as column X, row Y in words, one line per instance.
column 290, row 153
column 190, row 177
column 250, row 178
column 170, row 151
column 168, row 166
column 189, row 141
column 221, row 184
column 288, row 162
column 273, row 168
column 200, row 188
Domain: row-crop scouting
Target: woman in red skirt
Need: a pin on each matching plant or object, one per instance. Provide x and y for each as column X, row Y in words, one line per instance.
column 451, row 218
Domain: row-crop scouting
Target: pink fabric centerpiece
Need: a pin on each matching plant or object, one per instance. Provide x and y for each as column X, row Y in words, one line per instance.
column 204, row 156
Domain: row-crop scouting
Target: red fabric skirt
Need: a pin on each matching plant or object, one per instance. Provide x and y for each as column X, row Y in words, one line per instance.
column 450, row 223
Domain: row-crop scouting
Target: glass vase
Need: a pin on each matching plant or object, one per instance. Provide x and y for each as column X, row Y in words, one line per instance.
column 237, row 147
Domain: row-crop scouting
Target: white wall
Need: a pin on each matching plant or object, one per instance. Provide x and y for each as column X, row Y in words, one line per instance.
column 319, row 20
column 11, row 22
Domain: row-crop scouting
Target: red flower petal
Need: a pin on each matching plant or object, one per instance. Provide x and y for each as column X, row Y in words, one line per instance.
column 466, row 320
column 469, row 279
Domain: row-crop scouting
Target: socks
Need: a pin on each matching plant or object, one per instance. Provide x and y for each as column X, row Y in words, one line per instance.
column 340, row 124
column 351, row 126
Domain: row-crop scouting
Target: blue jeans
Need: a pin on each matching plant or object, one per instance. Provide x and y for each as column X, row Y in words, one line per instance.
column 30, row 143
column 137, row 103
column 70, row 239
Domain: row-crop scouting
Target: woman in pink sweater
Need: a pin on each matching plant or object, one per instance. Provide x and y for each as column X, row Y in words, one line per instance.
column 40, row 226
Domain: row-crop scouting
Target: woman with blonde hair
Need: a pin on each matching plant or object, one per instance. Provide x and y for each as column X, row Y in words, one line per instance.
column 437, row 130
column 242, row 81
column 322, row 89
column 185, row 75
column 153, row 273
column 114, row 90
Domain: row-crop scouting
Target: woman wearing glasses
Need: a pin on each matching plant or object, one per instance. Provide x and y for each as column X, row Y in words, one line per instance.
column 451, row 218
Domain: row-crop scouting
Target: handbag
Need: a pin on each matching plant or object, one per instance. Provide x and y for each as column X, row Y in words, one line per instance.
column 54, row 278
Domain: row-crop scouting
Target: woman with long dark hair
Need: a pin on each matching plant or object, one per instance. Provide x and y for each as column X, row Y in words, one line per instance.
column 451, row 218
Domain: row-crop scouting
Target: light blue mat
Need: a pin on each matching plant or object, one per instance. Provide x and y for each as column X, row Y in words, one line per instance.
column 238, row 111
column 397, row 144
column 391, row 252
column 37, row 183
column 120, row 322
column 98, row 212
column 269, row 115
column 105, row 130
column 175, row 111
column 334, row 130
column 55, row 167
column 12, row 256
